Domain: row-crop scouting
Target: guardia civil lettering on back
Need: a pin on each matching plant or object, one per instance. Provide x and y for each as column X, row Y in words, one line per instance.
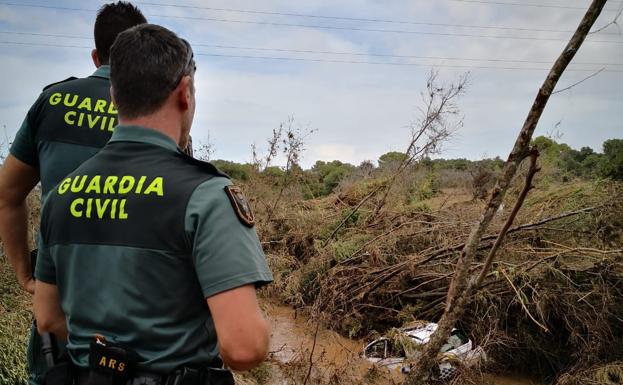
column 68, row 123
column 149, row 260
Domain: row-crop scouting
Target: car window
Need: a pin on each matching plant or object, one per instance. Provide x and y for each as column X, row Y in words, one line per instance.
column 452, row 343
column 395, row 349
column 462, row 337
column 376, row 350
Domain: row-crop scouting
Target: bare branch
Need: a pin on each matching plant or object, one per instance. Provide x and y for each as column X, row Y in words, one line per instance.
column 580, row 82
column 292, row 146
column 533, row 169
column 311, row 354
column 523, row 305
column 615, row 21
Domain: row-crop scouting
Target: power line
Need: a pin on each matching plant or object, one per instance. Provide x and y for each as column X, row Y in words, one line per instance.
column 527, row 5
column 45, row 35
column 398, row 64
column 345, row 18
column 273, row 58
column 325, row 27
column 396, row 56
column 44, row 44
column 341, row 53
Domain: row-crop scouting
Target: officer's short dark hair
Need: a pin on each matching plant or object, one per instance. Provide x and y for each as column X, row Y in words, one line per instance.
column 112, row 19
column 147, row 62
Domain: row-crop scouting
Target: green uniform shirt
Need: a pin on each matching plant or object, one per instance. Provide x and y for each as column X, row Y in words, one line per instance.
column 135, row 239
column 68, row 124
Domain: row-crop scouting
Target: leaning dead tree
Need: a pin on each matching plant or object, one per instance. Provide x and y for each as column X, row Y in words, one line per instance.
column 463, row 284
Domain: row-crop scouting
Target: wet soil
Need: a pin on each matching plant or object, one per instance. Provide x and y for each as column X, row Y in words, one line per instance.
column 294, row 335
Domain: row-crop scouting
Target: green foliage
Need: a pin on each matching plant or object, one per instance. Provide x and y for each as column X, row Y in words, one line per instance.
column 612, row 164
column 274, row 172
column 326, row 176
column 425, row 189
column 421, row 207
column 344, row 249
column 391, row 158
column 585, row 163
column 235, row 170
column 460, row 164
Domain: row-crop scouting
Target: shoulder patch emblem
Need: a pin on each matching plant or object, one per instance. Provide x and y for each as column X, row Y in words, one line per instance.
column 241, row 205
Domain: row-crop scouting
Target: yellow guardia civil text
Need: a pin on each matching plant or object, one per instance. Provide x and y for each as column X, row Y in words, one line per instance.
column 92, row 202
column 85, row 111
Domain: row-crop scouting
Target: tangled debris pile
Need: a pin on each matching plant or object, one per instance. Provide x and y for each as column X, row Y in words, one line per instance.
column 550, row 306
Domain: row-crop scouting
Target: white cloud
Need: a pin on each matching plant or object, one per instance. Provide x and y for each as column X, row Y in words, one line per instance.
column 329, row 152
column 360, row 110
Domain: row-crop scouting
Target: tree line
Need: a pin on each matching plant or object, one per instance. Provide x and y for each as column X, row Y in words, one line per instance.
column 559, row 160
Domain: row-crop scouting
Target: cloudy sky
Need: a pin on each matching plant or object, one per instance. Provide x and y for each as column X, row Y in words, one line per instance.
column 359, row 80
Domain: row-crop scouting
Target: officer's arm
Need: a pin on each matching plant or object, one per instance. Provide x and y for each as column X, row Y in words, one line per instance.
column 17, row 179
column 242, row 331
column 48, row 312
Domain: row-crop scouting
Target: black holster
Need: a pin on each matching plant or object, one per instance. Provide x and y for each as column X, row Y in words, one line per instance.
column 60, row 370
column 205, row 376
column 217, row 376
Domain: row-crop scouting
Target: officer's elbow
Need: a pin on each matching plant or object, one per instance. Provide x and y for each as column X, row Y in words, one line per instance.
column 247, row 353
column 243, row 359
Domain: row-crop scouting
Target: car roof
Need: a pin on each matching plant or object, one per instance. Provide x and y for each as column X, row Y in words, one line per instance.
column 422, row 333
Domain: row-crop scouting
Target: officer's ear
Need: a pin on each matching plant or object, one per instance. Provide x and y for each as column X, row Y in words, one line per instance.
column 96, row 59
column 112, row 96
column 185, row 92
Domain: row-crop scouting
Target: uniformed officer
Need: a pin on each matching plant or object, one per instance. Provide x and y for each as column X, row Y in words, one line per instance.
column 137, row 239
column 70, row 121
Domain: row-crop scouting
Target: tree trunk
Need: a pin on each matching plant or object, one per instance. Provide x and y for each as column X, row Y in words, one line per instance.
column 460, row 288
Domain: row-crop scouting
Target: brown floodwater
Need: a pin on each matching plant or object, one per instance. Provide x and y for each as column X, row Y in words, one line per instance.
column 293, row 336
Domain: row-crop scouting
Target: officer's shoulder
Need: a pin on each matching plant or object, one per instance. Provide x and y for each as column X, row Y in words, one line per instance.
column 222, row 192
column 203, row 166
column 57, row 83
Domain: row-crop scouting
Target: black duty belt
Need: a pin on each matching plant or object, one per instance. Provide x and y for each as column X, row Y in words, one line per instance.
column 185, row 376
column 113, row 364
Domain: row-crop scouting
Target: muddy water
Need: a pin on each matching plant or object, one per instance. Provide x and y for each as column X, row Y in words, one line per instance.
column 293, row 336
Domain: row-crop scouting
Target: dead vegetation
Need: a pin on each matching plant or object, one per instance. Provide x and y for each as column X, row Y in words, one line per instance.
column 548, row 306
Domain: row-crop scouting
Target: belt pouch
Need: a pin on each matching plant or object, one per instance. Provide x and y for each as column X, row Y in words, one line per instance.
column 109, row 363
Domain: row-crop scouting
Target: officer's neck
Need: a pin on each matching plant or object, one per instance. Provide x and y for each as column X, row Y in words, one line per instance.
column 166, row 120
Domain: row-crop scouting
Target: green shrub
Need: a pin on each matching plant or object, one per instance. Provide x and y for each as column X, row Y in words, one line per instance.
column 344, row 249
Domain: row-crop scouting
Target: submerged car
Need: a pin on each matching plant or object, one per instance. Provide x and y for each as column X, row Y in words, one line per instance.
column 401, row 351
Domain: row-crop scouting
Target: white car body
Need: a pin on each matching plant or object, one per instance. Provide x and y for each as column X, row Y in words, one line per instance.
column 458, row 348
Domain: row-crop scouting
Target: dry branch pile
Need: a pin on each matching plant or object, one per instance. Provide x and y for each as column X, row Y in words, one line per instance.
column 551, row 303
